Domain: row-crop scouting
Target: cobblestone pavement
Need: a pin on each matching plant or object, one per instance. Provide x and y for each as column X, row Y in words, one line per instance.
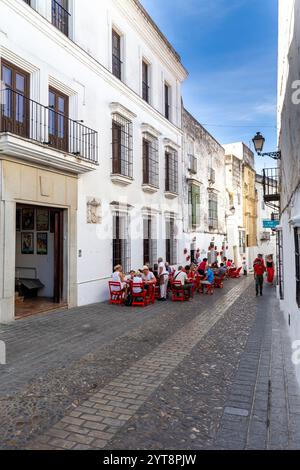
column 212, row 373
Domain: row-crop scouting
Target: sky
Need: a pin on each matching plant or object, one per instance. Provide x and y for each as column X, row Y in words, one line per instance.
column 230, row 50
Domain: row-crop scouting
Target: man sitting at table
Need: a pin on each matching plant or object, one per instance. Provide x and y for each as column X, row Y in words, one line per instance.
column 118, row 276
column 137, row 280
column 181, row 276
column 222, row 270
column 148, row 277
column 209, row 278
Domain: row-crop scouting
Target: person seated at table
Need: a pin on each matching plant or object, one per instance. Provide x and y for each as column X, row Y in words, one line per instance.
column 202, row 267
column 137, row 280
column 148, row 277
column 192, row 272
column 181, row 276
column 222, row 270
column 229, row 263
column 118, row 276
column 209, row 278
column 130, row 275
column 215, row 265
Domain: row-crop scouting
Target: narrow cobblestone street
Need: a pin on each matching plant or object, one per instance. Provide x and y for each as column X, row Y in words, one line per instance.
column 215, row 373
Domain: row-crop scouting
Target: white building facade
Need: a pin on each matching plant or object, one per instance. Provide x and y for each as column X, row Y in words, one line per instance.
column 241, row 191
column 289, row 183
column 90, row 147
column 205, row 199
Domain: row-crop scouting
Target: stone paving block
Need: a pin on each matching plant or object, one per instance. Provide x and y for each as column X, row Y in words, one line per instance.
column 93, row 425
column 77, row 430
column 54, row 432
column 80, row 439
column 71, row 420
column 99, row 444
column 61, row 444
column 94, row 418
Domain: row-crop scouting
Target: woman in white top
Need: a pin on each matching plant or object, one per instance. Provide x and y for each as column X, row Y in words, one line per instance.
column 118, row 277
column 163, row 276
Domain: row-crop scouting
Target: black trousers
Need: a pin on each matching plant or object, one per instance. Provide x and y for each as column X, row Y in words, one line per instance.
column 259, row 283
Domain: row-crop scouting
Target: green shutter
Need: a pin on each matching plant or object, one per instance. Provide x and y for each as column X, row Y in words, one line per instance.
column 195, row 205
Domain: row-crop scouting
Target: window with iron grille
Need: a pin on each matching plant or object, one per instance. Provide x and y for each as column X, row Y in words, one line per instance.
column 242, row 242
column 194, row 206
column 171, row 171
column 150, row 161
column 116, row 55
column 121, row 146
column 61, row 15
column 167, row 101
column 297, row 262
column 171, row 242
column 150, row 240
column 213, row 211
column 121, row 240
column 279, row 264
column 145, row 82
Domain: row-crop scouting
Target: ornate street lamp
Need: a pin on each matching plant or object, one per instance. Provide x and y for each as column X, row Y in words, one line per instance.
column 259, row 142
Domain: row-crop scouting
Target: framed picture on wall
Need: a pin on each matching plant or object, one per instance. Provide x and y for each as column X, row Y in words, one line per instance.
column 42, row 243
column 27, row 219
column 18, row 220
column 27, row 243
column 42, row 220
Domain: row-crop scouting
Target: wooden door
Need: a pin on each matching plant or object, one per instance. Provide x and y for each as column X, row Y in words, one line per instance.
column 15, row 98
column 58, row 120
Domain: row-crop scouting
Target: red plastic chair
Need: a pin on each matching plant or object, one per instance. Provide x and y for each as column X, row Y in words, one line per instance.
column 116, row 296
column 139, row 299
column 236, row 274
column 219, row 282
column 178, row 293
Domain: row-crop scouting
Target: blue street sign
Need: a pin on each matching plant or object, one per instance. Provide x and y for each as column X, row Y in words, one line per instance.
column 270, row 223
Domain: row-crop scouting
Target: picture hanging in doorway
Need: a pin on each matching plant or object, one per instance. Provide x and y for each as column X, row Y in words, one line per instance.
column 18, row 220
column 42, row 220
column 27, row 243
column 42, row 243
column 27, row 219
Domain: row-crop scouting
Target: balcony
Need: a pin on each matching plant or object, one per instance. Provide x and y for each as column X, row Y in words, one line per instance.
column 271, row 187
column 31, row 131
column 60, row 16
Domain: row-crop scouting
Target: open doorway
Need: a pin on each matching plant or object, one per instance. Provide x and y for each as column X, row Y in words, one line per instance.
column 39, row 268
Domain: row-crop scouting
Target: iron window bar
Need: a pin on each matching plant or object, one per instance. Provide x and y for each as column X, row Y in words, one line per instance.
column 146, row 89
column 122, row 146
column 271, row 188
column 117, row 66
column 27, row 118
column 150, row 162
column 60, row 17
column 171, row 171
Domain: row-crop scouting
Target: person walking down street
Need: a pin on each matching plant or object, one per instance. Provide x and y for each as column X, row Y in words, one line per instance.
column 163, row 276
column 245, row 267
column 259, row 270
column 270, row 270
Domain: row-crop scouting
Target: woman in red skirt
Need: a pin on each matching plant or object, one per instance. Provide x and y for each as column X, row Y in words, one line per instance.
column 270, row 269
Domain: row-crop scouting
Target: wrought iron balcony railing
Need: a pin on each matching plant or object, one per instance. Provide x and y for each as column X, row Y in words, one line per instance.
column 271, row 186
column 29, row 119
column 60, row 17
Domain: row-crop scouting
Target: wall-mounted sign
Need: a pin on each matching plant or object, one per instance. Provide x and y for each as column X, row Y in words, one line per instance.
column 270, row 224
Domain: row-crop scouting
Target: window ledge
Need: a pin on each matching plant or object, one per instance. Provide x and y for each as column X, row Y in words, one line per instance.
column 170, row 195
column 149, row 188
column 121, row 179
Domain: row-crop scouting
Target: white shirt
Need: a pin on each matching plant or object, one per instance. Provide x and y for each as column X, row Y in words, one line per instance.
column 149, row 277
column 117, row 278
column 137, row 280
column 180, row 276
column 163, row 270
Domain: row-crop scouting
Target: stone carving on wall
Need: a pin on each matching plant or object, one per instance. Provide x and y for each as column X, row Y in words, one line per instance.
column 94, row 215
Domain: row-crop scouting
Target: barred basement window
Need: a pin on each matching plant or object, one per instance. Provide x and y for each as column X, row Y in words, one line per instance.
column 121, row 240
column 121, row 146
column 213, row 211
column 194, row 206
column 150, row 162
column 116, row 55
column 171, row 177
column 150, row 240
column 171, row 242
